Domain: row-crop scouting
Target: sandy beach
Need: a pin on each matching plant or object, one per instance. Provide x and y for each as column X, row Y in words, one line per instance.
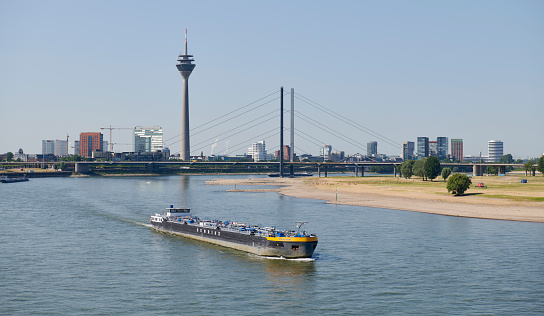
column 407, row 195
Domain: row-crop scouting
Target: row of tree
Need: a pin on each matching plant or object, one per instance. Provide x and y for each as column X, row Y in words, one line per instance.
column 426, row 168
column 429, row 168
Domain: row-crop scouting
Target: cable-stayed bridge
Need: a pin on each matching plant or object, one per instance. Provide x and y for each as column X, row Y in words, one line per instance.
column 315, row 126
column 261, row 119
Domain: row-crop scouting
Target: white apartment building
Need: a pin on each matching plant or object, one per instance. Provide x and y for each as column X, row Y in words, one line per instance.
column 495, row 150
column 55, row 147
column 258, row 151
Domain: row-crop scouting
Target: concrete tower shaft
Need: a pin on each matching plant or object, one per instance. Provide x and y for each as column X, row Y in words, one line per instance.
column 185, row 67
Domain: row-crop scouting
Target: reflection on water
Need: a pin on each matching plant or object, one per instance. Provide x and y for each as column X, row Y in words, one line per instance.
column 287, row 275
column 82, row 246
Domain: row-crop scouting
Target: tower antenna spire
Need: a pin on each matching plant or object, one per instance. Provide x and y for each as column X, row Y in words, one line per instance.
column 185, row 66
column 185, row 41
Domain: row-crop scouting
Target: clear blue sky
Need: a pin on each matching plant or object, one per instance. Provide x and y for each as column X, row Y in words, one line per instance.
column 461, row 69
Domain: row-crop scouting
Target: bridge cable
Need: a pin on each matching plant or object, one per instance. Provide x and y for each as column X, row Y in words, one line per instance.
column 244, row 143
column 238, row 127
column 225, row 136
column 231, row 112
column 330, row 131
column 347, row 120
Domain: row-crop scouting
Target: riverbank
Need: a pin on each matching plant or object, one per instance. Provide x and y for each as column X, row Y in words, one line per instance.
column 503, row 198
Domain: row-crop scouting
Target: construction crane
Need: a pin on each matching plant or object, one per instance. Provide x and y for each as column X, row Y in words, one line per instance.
column 112, row 128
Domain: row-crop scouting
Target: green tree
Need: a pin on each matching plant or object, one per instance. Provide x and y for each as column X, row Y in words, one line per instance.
column 492, row 170
column 506, row 159
column 418, row 169
column 432, row 167
column 9, row 156
column 446, row 160
column 458, row 184
column 406, row 168
column 74, row 158
column 518, row 161
column 381, row 169
column 528, row 166
column 455, row 169
column 540, row 166
column 446, row 173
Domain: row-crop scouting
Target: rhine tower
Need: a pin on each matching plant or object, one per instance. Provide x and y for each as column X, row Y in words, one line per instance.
column 185, row 66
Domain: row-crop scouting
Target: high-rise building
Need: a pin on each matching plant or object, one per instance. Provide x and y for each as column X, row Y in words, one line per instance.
column 422, row 147
column 185, row 67
column 54, row 147
column 457, row 149
column 258, row 151
column 372, row 149
column 442, row 147
column 286, row 153
column 48, row 147
column 338, row 156
column 77, row 148
column 495, row 150
column 148, row 139
column 326, row 152
column 433, row 148
column 88, row 142
column 407, row 151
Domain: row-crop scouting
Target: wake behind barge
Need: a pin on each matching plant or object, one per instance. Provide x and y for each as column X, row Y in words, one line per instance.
column 265, row 241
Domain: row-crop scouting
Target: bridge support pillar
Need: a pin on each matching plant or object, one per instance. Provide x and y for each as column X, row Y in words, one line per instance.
column 326, row 171
column 362, row 171
column 82, row 167
column 502, row 169
column 477, row 170
column 318, row 171
column 291, row 171
column 395, row 171
column 356, row 171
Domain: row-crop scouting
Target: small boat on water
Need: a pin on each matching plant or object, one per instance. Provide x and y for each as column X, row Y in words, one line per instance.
column 265, row 241
column 6, row 179
column 304, row 174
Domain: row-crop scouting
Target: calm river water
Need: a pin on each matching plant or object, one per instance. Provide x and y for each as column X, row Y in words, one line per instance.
column 83, row 246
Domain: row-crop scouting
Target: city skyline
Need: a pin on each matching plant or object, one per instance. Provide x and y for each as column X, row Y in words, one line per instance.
column 460, row 78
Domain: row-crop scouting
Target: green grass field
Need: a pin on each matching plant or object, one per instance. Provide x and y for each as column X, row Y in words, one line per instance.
column 497, row 187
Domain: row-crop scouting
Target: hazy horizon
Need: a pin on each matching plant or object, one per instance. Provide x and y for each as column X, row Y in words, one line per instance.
column 469, row 70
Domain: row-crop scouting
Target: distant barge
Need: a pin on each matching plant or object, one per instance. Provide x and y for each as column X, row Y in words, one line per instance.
column 304, row 174
column 265, row 241
column 6, row 179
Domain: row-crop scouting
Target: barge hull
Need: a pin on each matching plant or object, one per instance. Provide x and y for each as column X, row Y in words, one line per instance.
column 258, row 245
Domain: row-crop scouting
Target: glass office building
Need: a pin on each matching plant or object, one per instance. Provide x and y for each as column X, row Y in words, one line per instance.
column 372, row 149
column 442, row 147
column 422, row 147
column 407, row 151
column 148, row 139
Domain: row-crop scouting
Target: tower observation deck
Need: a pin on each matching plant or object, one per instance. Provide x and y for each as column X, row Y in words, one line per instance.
column 185, row 66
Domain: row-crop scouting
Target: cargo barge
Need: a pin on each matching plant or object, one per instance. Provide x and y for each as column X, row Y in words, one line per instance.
column 6, row 179
column 262, row 241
